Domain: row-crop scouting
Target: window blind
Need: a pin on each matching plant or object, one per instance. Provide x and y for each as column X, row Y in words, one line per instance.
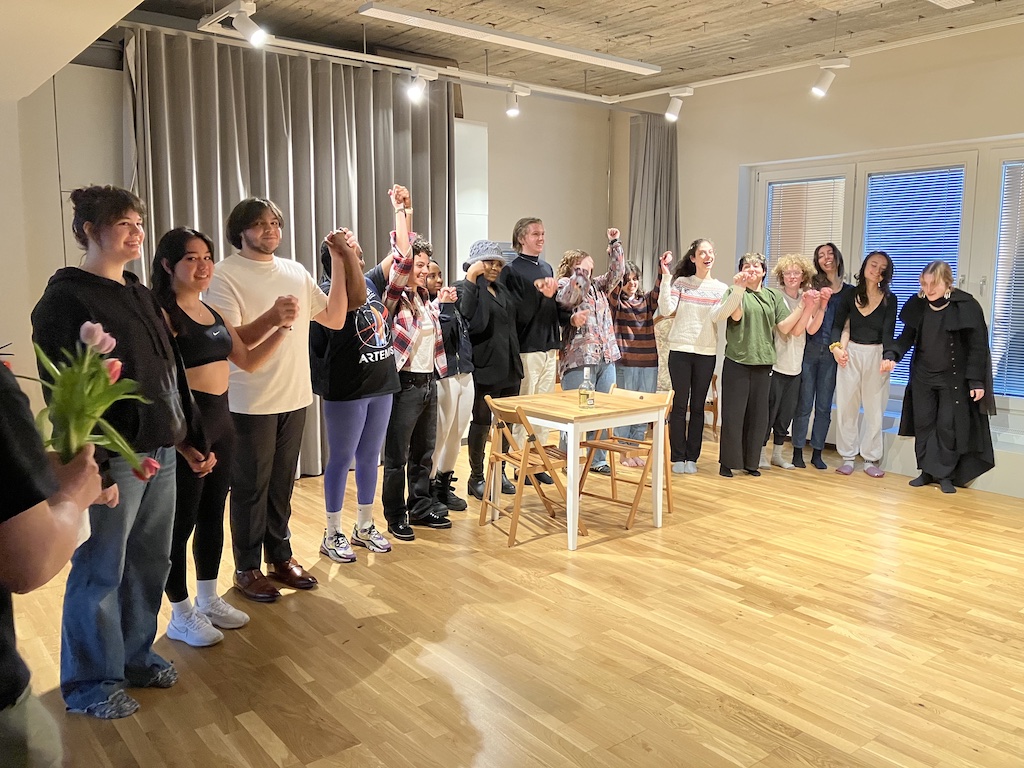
column 915, row 217
column 802, row 215
column 1008, row 294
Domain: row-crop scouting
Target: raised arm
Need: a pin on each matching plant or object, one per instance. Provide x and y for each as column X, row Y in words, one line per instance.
column 731, row 304
column 616, row 264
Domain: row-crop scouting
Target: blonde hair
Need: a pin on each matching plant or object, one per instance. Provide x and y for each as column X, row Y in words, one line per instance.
column 790, row 260
column 569, row 261
column 941, row 270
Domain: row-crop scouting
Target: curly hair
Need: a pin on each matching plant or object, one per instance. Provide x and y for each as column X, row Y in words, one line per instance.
column 754, row 258
column 791, row 260
column 569, row 261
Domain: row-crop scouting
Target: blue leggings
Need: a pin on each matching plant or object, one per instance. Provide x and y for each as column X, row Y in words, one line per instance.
column 355, row 430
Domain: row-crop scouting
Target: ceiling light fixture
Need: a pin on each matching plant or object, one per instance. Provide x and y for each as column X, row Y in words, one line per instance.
column 488, row 35
column 675, row 103
column 418, row 86
column 828, row 74
column 240, row 14
column 511, row 104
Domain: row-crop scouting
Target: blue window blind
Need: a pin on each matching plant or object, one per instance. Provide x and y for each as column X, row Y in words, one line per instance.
column 802, row 215
column 1008, row 296
column 915, row 217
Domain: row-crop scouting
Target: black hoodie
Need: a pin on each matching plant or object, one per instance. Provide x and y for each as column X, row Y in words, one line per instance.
column 145, row 347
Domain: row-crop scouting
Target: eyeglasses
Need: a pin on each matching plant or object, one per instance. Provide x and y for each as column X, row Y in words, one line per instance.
column 792, row 274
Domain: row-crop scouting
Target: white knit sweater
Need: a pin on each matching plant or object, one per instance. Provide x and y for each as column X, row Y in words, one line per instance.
column 699, row 308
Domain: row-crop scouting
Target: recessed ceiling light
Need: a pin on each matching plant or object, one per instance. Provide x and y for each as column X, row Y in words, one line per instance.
column 487, row 35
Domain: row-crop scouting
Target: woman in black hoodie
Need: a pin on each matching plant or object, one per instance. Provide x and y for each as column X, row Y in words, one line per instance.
column 117, row 576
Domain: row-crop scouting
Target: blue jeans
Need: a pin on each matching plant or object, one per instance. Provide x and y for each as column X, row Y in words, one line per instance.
column 115, row 587
column 638, row 380
column 603, row 376
column 817, row 386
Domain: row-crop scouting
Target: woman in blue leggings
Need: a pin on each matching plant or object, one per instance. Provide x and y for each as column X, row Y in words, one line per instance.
column 354, row 372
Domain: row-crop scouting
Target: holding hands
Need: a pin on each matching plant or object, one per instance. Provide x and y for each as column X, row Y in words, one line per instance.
column 343, row 243
column 810, row 299
column 401, row 200
column 824, row 295
column 887, row 366
column 287, row 310
column 665, row 261
column 448, row 294
column 546, row 285
column 842, row 356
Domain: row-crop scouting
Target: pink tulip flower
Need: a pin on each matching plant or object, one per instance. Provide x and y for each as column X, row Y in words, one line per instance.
column 93, row 335
column 113, row 369
column 150, row 467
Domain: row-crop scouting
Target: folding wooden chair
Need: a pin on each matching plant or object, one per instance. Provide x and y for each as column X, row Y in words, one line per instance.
column 605, row 440
column 527, row 460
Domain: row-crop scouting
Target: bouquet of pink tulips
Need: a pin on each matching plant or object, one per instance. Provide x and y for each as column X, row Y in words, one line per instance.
column 82, row 388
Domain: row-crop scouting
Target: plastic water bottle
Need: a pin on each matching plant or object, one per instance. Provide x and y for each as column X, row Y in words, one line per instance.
column 587, row 389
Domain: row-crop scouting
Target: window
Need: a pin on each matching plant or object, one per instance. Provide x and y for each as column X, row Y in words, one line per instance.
column 916, row 217
column 801, row 215
column 1008, row 297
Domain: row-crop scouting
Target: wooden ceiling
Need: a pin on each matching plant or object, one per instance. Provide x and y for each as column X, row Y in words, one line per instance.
column 691, row 40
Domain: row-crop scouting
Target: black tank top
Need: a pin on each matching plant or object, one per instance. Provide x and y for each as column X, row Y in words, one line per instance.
column 202, row 344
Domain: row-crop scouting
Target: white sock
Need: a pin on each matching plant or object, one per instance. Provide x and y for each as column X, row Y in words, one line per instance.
column 182, row 609
column 206, row 591
column 364, row 516
column 333, row 523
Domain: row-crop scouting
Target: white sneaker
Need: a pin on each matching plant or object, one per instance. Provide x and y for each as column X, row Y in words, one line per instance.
column 371, row 539
column 222, row 614
column 194, row 629
column 336, row 547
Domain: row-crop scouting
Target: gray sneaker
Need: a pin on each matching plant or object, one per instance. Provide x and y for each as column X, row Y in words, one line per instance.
column 336, row 547
column 690, row 468
column 371, row 539
column 119, row 704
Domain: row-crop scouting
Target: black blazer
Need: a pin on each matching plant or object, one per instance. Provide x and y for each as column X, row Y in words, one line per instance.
column 492, row 330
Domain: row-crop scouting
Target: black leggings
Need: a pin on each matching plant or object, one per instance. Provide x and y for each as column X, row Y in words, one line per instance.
column 691, row 376
column 481, row 413
column 200, row 501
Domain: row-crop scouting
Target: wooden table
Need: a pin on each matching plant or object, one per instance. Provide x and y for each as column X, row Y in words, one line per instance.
column 561, row 411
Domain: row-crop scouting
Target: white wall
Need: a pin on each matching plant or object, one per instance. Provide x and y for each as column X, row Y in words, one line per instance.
column 551, row 161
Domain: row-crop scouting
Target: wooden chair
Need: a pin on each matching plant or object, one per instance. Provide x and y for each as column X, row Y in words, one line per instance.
column 605, row 440
column 527, row 460
column 712, row 404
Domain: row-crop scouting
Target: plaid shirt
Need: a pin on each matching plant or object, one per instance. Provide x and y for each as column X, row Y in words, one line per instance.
column 405, row 303
column 593, row 343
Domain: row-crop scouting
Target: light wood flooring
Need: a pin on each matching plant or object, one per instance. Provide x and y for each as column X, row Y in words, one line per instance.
column 797, row 619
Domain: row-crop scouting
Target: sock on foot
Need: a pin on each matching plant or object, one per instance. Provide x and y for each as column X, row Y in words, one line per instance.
column 364, row 516
column 181, row 609
column 816, row 459
column 798, row 458
column 921, row 480
column 946, row 485
column 333, row 523
column 206, row 591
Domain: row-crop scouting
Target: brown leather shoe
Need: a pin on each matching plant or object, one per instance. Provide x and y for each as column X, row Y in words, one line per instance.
column 291, row 574
column 254, row 585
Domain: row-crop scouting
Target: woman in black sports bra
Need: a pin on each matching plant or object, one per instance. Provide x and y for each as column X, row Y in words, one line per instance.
column 182, row 269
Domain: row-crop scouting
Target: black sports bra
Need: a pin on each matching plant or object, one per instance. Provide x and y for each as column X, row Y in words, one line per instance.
column 202, row 344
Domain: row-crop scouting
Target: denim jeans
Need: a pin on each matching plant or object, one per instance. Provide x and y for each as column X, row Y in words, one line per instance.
column 638, row 380
column 817, row 386
column 602, row 376
column 115, row 587
column 409, row 451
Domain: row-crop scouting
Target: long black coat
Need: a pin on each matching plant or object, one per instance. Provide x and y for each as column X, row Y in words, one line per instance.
column 492, row 330
column 971, row 365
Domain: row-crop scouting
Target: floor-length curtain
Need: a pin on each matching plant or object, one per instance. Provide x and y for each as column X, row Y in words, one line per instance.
column 653, row 193
column 215, row 122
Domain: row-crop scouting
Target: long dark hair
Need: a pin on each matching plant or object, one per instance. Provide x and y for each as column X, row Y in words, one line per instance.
column 861, row 291
column 169, row 251
column 686, row 266
column 820, row 278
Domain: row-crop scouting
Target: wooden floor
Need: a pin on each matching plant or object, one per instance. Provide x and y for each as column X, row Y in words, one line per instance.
column 797, row 619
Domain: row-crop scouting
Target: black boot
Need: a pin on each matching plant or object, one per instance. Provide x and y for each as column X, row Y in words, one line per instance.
column 507, row 486
column 444, row 492
column 476, row 441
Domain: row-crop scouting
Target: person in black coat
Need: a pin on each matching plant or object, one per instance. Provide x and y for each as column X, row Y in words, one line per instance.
column 491, row 308
column 949, row 397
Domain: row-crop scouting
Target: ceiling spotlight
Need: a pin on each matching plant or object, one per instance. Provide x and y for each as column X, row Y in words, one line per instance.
column 828, row 74
column 675, row 103
column 248, row 28
column 511, row 104
column 416, row 89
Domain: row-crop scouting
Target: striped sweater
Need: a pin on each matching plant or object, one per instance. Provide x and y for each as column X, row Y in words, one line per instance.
column 633, row 319
column 698, row 309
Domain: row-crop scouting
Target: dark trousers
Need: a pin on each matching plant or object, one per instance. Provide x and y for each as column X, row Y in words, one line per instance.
column 481, row 413
column 262, row 477
column 409, row 450
column 782, row 399
column 744, row 413
column 200, row 501
column 691, row 376
column 817, row 387
column 934, row 434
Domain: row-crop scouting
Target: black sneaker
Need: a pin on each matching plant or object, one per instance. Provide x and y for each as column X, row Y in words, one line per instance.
column 429, row 520
column 401, row 531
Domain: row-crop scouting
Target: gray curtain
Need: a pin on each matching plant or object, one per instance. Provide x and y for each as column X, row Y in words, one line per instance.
column 215, row 122
column 653, row 193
